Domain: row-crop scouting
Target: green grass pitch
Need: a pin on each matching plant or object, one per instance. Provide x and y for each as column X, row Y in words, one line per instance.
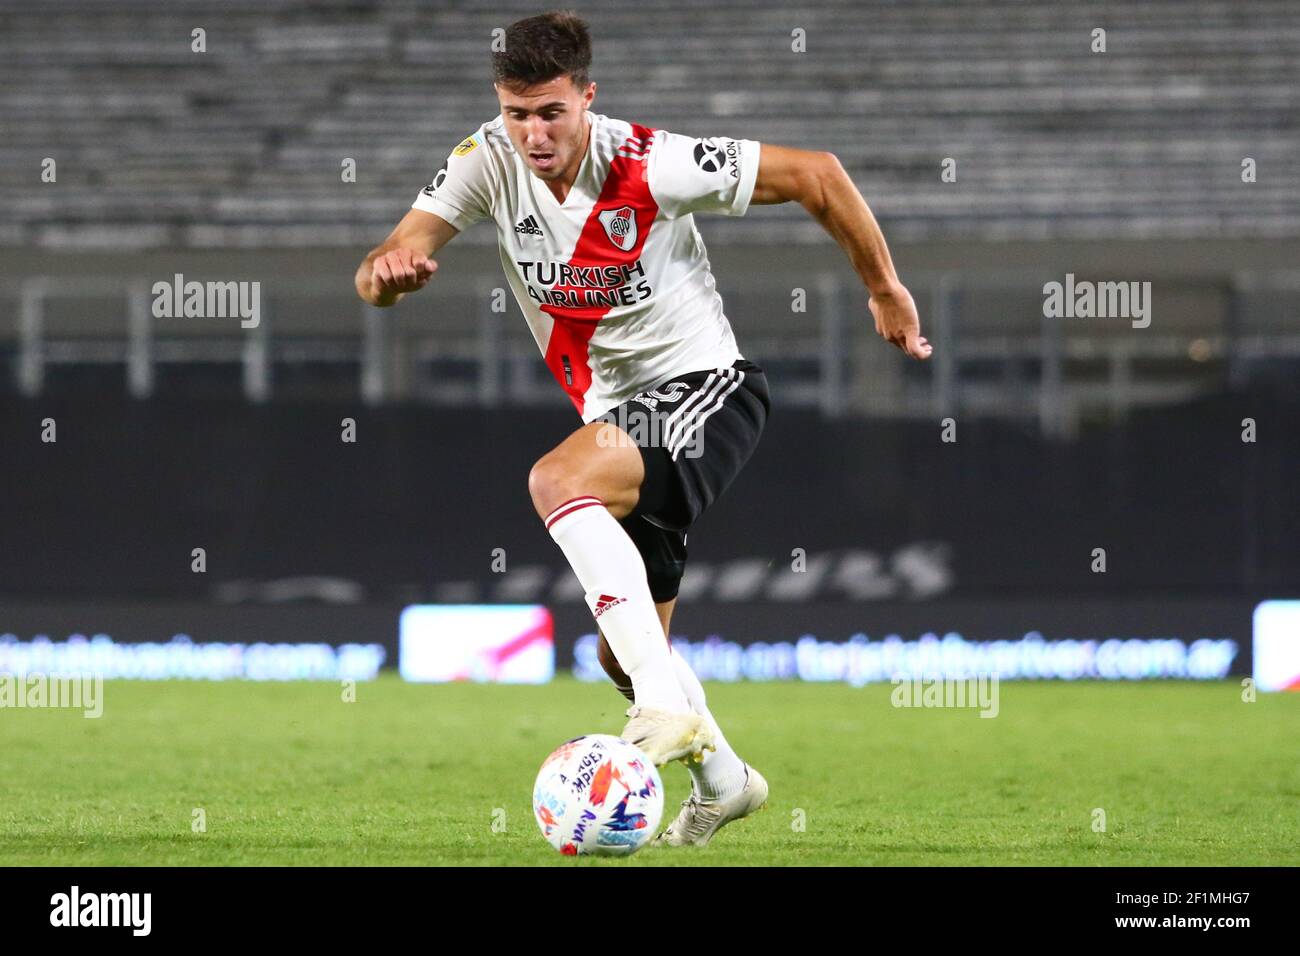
column 419, row 774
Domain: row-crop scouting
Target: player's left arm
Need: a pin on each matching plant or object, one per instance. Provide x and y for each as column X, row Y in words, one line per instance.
column 818, row 182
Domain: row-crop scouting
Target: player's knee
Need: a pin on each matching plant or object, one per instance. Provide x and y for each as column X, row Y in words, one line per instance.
column 550, row 484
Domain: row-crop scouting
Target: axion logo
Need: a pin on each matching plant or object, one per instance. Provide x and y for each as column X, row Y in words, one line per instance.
column 605, row 602
column 620, row 226
column 709, row 156
column 438, row 179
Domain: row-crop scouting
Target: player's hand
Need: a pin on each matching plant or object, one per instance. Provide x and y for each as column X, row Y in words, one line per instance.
column 897, row 321
column 399, row 271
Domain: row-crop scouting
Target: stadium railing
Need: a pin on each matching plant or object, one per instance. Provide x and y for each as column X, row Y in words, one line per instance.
column 997, row 354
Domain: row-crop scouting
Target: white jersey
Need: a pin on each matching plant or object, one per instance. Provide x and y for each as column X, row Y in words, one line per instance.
column 615, row 281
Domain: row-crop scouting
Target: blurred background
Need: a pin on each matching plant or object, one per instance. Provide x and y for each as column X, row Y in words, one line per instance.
column 1084, row 496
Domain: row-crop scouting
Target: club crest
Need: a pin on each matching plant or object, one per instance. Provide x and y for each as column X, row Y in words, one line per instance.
column 620, row 226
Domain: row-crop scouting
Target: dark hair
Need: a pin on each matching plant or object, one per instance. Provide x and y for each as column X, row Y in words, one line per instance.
column 543, row 47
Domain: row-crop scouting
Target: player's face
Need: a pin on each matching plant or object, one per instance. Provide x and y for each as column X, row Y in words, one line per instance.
column 546, row 124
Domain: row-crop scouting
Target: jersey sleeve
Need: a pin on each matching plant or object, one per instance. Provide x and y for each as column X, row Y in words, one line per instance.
column 461, row 191
column 713, row 174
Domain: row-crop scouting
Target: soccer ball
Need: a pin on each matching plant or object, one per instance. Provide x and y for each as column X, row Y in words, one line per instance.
column 598, row 794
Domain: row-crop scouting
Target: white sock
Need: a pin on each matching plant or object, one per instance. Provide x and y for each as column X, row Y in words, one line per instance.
column 613, row 575
column 722, row 773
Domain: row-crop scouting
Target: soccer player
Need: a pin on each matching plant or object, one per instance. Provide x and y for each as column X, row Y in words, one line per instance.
column 595, row 222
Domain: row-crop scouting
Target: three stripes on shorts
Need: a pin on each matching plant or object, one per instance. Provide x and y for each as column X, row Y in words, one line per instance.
column 683, row 423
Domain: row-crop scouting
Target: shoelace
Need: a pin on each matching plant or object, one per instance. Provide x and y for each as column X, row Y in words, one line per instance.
column 709, row 813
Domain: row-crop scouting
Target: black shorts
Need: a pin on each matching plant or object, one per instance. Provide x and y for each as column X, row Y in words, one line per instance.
column 695, row 432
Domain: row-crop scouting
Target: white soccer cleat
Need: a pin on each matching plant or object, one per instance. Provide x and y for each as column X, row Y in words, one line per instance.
column 665, row 736
column 700, row 819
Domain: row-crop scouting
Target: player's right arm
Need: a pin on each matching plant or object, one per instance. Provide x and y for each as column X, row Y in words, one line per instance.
column 403, row 262
column 460, row 195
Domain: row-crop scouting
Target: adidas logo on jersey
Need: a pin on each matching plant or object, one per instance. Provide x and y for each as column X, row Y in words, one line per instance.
column 604, row 603
column 528, row 227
